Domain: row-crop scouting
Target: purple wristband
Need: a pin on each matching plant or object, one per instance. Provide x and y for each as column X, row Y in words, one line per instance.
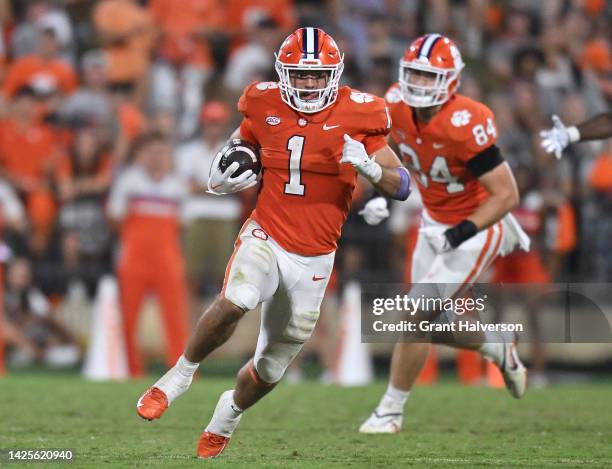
column 404, row 189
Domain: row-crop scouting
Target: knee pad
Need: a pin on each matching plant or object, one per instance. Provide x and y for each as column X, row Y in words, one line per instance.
column 274, row 359
column 249, row 271
column 301, row 324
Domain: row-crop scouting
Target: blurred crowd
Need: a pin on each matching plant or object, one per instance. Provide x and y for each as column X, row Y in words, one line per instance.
column 111, row 112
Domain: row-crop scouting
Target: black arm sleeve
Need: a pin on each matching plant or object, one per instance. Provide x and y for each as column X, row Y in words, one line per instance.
column 483, row 162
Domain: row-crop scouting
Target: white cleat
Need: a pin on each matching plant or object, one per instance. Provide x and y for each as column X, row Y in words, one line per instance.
column 514, row 372
column 380, row 422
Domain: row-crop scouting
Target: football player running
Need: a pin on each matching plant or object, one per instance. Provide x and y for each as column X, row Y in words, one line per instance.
column 448, row 142
column 315, row 138
column 559, row 137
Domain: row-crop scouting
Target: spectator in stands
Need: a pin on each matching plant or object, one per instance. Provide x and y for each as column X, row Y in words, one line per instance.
column 33, row 161
column 146, row 203
column 45, row 67
column 241, row 15
column 517, row 28
column 514, row 141
column 41, row 15
column 85, row 233
column 127, row 33
column 561, row 74
column 597, row 57
column 90, row 104
column 254, row 60
column 600, row 180
column 212, row 220
column 33, row 334
column 185, row 61
column 129, row 121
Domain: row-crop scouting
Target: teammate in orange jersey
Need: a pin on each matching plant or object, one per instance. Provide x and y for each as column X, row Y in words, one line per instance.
column 448, row 142
column 146, row 202
column 315, row 137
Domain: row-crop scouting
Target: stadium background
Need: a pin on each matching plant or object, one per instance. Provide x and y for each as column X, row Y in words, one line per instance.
column 81, row 80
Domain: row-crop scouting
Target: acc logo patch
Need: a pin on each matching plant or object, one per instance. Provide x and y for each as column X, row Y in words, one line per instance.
column 259, row 233
column 361, row 98
column 273, row 120
column 461, row 118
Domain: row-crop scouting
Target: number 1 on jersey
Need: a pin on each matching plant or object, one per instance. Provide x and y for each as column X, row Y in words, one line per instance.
column 295, row 145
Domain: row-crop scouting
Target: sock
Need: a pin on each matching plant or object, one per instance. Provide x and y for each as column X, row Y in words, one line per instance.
column 177, row 379
column 393, row 400
column 493, row 347
column 226, row 417
column 185, row 367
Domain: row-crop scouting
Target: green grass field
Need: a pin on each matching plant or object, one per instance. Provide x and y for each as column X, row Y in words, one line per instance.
column 311, row 425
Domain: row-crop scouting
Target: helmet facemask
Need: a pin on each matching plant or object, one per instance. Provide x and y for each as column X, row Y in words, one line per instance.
column 304, row 99
column 423, row 85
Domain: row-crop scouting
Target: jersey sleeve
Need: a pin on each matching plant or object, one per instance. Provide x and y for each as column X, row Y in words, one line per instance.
column 245, row 106
column 243, row 102
column 379, row 126
column 479, row 134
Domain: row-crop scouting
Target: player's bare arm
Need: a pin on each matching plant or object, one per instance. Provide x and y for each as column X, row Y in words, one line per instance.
column 395, row 181
column 382, row 168
column 496, row 177
column 504, row 197
column 596, row 128
column 559, row 137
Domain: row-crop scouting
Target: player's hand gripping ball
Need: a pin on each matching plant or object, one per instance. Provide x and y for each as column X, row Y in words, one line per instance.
column 236, row 167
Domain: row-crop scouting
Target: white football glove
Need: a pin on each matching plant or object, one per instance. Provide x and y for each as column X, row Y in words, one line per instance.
column 375, row 211
column 436, row 239
column 221, row 183
column 355, row 153
column 556, row 139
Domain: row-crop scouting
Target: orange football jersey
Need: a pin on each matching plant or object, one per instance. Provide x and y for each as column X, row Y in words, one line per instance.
column 437, row 153
column 305, row 192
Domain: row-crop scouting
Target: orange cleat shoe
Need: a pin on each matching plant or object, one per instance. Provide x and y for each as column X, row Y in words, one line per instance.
column 152, row 404
column 211, row 445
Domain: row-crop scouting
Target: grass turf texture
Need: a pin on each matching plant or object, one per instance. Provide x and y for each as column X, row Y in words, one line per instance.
column 310, row 425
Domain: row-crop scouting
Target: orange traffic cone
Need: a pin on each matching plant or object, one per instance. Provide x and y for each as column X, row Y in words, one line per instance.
column 469, row 367
column 494, row 376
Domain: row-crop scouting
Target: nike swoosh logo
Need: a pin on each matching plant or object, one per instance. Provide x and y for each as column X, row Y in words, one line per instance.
column 215, row 186
column 329, row 127
column 316, row 279
column 438, row 145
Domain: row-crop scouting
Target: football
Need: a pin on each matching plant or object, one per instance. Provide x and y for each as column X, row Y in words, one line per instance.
column 244, row 153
